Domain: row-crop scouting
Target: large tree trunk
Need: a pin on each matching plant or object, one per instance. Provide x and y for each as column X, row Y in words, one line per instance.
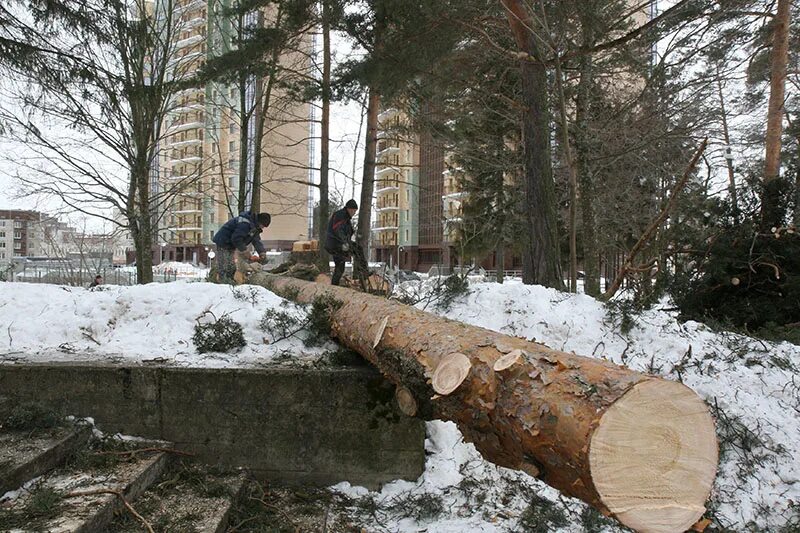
column 540, row 255
column 142, row 227
column 244, row 139
column 573, row 180
column 635, row 446
column 368, row 176
column 324, row 207
column 591, row 266
column 771, row 213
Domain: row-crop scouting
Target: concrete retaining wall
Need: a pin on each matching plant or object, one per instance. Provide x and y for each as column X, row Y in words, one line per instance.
column 286, row 425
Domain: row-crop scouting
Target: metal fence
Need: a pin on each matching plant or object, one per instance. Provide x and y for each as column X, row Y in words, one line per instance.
column 82, row 277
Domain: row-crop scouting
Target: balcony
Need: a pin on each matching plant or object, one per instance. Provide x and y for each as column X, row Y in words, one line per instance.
column 185, row 126
column 378, row 228
column 188, row 6
column 189, row 41
column 187, row 142
column 193, row 23
column 191, row 159
column 185, row 58
column 388, row 114
column 386, row 170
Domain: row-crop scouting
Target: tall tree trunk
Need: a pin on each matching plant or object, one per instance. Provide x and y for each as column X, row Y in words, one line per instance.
column 500, row 258
column 541, row 255
column 779, row 57
column 591, row 281
column 573, row 180
column 244, row 139
column 368, row 176
column 143, row 238
column 324, row 202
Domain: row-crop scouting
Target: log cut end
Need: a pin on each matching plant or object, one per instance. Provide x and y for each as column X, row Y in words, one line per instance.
column 653, row 457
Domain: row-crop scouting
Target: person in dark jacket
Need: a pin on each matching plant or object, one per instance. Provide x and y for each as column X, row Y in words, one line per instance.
column 235, row 236
column 337, row 240
column 98, row 280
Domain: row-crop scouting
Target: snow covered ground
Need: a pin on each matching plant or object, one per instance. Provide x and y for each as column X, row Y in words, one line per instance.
column 142, row 323
column 753, row 389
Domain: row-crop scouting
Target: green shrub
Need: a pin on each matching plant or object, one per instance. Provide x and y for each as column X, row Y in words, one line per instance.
column 221, row 335
column 452, row 289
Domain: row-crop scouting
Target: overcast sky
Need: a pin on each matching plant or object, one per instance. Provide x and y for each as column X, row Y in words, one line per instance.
column 345, row 119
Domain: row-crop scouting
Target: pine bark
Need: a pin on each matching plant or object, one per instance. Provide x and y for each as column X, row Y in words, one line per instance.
column 543, row 412
column 368, row 176
column 591, row 283
column 325, row 123
column 779, row 58
column 771, row 211
column 541, row 256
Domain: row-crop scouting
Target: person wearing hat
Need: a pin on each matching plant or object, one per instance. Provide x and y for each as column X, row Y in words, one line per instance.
column 235, row 236
column 337, row 240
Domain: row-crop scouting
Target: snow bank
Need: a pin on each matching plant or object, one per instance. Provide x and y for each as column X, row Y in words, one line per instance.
column 153, row 322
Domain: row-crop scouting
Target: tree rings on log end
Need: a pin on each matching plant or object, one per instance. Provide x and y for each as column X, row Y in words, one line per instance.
column 379, row 332
column 450, row 373
column 406, row 401
column 653, row 457
column 508, row 360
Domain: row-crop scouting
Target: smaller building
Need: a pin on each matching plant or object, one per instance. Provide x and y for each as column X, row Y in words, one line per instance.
column 21, row 234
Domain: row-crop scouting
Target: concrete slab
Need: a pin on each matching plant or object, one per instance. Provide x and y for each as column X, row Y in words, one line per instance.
column 25, row 455
column 292, row 425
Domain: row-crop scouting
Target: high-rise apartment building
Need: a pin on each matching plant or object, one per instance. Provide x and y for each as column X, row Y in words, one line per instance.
column 201, row 153
column 416, row 204
column 395, row 231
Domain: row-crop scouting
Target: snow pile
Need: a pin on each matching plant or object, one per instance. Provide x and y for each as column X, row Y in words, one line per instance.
column 143, row 323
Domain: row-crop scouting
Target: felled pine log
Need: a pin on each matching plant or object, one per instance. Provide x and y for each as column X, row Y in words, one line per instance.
column 637, row 447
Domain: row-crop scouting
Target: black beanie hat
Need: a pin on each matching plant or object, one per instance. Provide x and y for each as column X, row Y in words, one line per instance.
column 264, row 219
column 351, row 204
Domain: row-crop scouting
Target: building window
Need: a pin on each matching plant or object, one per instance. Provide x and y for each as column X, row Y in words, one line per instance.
column 406, row 235
column 17, row 234
column 2, row 233
column 2, row 245
column 18, row 246
column 18, row 224
column 232, row 146
column 232, row 127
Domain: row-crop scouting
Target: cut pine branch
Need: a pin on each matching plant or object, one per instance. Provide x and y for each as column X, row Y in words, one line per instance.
column 634, row 446
column 627, row 266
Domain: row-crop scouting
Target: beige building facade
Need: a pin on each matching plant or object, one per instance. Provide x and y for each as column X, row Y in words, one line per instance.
column 201, row 156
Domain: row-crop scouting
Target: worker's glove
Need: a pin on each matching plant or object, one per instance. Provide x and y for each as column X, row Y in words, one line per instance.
column 262, row 257
column 345, row 247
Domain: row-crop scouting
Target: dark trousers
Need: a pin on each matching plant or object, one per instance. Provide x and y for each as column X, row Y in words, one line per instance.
column 339, row 259
column 225, row 264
